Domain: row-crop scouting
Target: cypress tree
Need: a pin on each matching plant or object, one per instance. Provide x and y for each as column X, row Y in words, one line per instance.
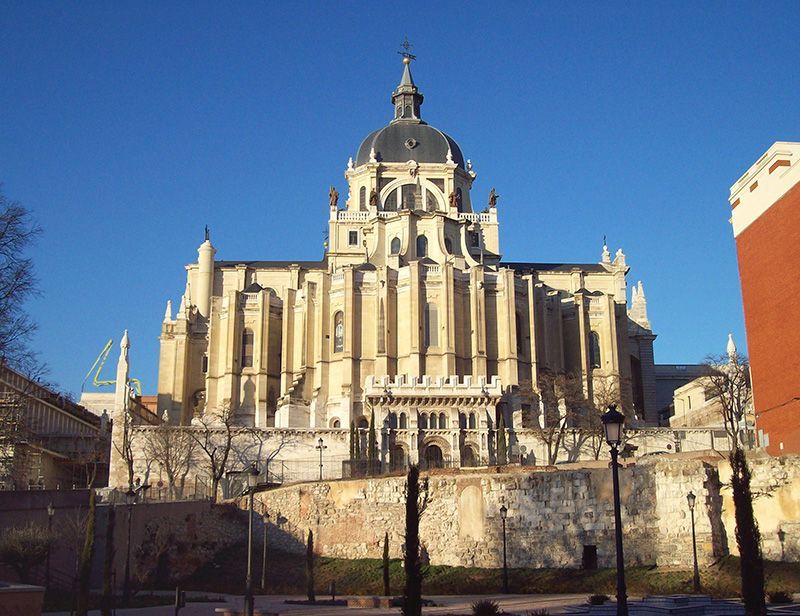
column 372, row 444
column 108, row 562
column 82, row 606
column 502, row 447
column 310, row 566
column 412, row 594
column 386, row 589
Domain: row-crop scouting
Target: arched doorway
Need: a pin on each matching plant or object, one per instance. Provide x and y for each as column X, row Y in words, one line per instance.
column 398, row 458
column 434, row 457
column 469, row 457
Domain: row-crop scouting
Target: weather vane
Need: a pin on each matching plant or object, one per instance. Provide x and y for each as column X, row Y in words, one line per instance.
column 406, row 53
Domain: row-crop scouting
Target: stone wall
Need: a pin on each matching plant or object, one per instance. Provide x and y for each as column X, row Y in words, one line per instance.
column 552, row 514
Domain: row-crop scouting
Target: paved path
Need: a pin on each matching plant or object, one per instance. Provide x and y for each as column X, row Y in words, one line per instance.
column 445, row 604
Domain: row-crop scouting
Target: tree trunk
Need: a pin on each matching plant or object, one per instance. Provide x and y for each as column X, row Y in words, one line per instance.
column 748, row 537
column 86, row 559
column 412, row 594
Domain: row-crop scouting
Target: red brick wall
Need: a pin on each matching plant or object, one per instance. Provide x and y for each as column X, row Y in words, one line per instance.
column 769, row 266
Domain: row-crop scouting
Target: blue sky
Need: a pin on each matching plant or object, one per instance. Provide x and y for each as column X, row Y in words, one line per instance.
column 126, row 127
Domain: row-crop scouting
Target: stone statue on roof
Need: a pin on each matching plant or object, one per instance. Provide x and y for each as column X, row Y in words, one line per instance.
column 333, row 196
column 493, row 197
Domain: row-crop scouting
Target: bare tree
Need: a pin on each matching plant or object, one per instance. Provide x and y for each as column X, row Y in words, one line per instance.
column 214, row 432
column 606, row 391
column 173, row 449
column 562, row 402
column 17, row 282
column 125, row 447
column 728, row 383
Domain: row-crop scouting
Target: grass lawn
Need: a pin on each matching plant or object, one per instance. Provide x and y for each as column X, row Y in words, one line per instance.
column 286, row 575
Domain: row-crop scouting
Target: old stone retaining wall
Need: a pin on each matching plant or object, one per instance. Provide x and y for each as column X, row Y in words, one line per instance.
column 552, row 514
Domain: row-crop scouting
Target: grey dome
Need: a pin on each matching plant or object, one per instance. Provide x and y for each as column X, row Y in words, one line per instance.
column 401, row 141
column 407, row 137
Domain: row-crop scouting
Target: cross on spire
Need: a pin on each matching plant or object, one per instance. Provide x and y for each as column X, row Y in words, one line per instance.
column 406, row 53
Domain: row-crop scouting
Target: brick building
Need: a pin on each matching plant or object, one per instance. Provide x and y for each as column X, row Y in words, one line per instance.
column 766, row 225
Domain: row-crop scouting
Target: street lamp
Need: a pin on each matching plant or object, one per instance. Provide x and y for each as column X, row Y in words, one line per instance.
column 51, row 511
column 252, row 482
column 130, row 499
column 321, row 446
column 691, row 499
column 503, row 514
column 782, row 539
column 613, row 421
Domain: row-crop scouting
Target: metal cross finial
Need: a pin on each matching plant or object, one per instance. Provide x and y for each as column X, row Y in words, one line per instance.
column 406, row 53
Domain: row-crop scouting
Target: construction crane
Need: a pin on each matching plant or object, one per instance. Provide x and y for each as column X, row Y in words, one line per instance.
column 98, row 363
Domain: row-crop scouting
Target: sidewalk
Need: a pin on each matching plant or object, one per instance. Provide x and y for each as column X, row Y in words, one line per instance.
column 445, row 604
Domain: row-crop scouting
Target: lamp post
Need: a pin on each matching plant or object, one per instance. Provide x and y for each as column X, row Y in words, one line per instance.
column 613, row 421
column 321, row 446
column 252, row 482
column 130, row 499
column 782, row 539
column 503, row 514
column 51, row 511
column 691, row 499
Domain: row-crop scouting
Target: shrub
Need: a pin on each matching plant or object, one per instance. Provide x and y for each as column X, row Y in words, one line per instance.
column 598, row 599
column 485, row 608
column 23, row 548
column 779, row 596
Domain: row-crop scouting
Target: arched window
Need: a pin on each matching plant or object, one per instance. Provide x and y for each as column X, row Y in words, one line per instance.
column 403, row 421
column 392, row 419
column 335, row 423
column 390, row 204
column 395, row 246
column 594, row 349
column 431, row 326
column 462, row 421
column 433, row 421
column 338, row 332
column 423, row 421
column 409, row 196
column 430, row 201
column 422, row 246
column 247, row 348
column 362, row 198
column 407, row 113
column 472, row 421
column 442, row 420
column 448, row 245
column 520, row 332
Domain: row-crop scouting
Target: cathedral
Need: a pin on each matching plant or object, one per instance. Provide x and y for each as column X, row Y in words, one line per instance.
column 411, row 319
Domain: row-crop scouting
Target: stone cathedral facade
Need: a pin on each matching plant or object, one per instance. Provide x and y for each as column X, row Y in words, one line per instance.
column 412, row 316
